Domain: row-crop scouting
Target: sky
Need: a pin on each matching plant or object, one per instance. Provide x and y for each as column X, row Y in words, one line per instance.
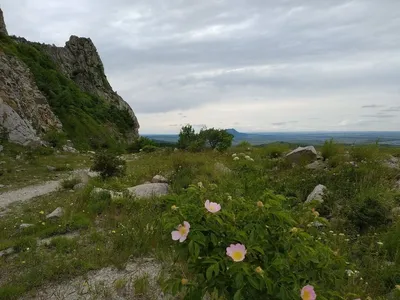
column 255, row 65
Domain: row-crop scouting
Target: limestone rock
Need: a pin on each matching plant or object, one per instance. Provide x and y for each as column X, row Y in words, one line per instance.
column 7, row 251
column 79, row 186
column 222, row 168
column 317, row 194
column 80, row 61
column 3, row 28
column 70, row 149
column 51, row 168
column 392, row 162
column 316, row 165
column 149, row 190
column 159, row 179
column 25, row 225
column 57, row 213
column 24, row 111
column 302, row 154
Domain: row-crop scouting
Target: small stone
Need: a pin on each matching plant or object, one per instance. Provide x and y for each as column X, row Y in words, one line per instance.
column 302, row 154
column 79, row 186
column 1, row 148
column 159, row 179
column 51, row 168
column 317, row 194
column 316, row 165
column 24, row 225
column 6, row 252
column 57, row 213
column 149, row 190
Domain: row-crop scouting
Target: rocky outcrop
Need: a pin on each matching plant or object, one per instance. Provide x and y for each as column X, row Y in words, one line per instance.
column 302, row 154
column 149, row 190
column 317, row 194
column 24, row 111
column 3, row 28
column 80, row 61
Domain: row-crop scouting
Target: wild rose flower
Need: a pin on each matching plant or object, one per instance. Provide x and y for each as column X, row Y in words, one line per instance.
column 212, row 207
column 182, row 232
column 236, row 251
column 308, row 293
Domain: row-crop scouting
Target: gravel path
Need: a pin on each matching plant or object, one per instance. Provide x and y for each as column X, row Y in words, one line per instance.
column 28, row 193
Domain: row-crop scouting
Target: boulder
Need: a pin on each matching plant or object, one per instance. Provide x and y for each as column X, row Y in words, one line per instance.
column 57, row 213
column 316, row 165
column 302, row 154
column 392, row 162
column 159, row 179
column 149, row 190
column 69, row 149
column 317, row 194
column 220, row 167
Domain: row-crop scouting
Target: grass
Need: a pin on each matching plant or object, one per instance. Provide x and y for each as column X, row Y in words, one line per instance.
column 112, row 231
column 20, row 166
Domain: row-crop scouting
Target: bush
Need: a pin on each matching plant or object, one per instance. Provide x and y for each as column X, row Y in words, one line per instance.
column 186, row 137
column 217, row 138
column 99, row 202
column 149, row 148
column 68, row 184
column 139, row 143
column 276, row 150
column 280, row 258
column 329, row 149
column 108, row 165
column 55, row 138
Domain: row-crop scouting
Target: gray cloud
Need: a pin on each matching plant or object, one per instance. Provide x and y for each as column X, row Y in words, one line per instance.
column 372, row 106
column 379, row 116
column 284, row 123
column 303, row 58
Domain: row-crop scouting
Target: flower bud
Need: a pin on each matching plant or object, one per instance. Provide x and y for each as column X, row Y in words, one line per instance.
column 184, row 281
column 260, row 204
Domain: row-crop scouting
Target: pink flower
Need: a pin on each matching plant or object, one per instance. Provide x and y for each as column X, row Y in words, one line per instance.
column 182, row 232
column 308, row 293
column 212, row 207
column 236, row 251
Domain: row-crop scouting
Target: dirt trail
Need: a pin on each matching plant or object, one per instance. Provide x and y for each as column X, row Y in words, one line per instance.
column 32, row 191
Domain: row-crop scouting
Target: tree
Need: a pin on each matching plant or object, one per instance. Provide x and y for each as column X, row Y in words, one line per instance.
column 218, row 139
column 186, row 137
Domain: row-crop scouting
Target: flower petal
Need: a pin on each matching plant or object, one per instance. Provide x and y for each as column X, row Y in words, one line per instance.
column 175, row 235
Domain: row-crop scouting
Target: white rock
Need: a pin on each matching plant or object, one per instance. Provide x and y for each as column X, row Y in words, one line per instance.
column 149, row 190
column 159, row 179
column 316, row 165
column 69, row 149
column 79, row 186
column 24, row 225
column 57, row 213
column 51, row 168
column 6, row 252
column 1, row 148
column 302, row 154
column 317, row 194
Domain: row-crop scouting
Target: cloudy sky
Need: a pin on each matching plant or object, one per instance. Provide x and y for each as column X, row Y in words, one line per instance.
column 256, row 65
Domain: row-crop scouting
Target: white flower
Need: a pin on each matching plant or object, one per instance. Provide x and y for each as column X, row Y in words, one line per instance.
column 347, row 240
column 229, row 198
column 247, row 157
column 341, row 234
column 349, row 272
column 236, row 158
column 379, row 243
column 200, row 185
column 234, row 154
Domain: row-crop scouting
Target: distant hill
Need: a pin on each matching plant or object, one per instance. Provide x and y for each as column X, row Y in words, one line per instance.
column 303, row 138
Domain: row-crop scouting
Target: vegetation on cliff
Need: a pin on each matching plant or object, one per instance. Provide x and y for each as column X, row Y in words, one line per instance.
column 89, row 121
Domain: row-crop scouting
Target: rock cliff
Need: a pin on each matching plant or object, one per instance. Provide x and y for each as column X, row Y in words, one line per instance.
column 24, row 111
column 80, row 61
column 44, row 87
column 3, row 28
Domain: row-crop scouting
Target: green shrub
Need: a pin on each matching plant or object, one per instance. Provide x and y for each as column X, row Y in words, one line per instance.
column 139, row 143
column 280, row 258
column 99, row 202
column 149, row 148
column 329, row 149
column 108, row 165
column 186, row 137
column 216, row 138
column 55, row 138
column 68, row 184
column 275, row 150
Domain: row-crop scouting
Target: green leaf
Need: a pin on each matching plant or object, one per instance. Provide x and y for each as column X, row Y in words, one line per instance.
column 258, row 249
column 253, row 282
column 238, row 295
column 196, row 250
column 239, row 280
column 209, row 272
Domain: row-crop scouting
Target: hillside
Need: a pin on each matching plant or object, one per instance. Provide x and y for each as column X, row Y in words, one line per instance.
column 45, row 88
column 330, row 226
